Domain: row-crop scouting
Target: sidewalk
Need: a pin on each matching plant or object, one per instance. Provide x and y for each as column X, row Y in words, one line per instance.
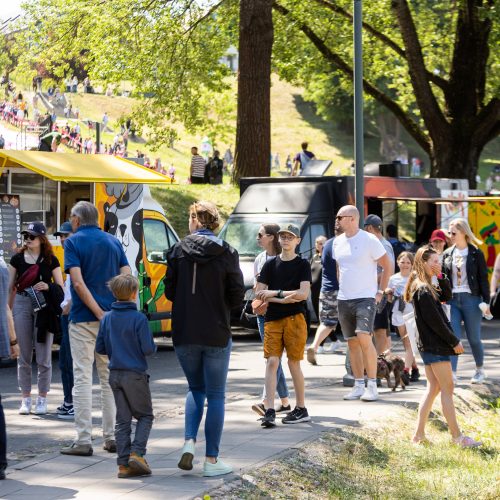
column 245, row 444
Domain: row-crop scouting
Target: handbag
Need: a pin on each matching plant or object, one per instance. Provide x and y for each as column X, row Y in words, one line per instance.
column 259, row 307
column 495, row 304
column 28, row 278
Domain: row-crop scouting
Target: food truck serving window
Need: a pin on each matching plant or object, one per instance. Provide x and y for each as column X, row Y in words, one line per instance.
column 158, row 239
column 38, row 197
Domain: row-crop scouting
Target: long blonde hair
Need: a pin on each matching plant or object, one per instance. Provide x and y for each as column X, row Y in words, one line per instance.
column 418, row 276
column 463, row 226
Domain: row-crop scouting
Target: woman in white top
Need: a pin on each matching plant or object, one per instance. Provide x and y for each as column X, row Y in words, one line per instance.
column 395, row 290
column 465, row 266
column 267, row 238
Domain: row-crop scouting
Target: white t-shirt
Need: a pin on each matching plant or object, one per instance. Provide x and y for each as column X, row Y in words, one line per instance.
column 357, row 263
column 398, row 284
column 259, row 262
column 459, row 271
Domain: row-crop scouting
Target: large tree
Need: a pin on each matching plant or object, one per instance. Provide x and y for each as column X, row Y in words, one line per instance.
column 253, row 128
column 427, row 62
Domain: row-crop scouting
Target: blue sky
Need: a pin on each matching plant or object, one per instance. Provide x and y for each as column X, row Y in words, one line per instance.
column 10, row 8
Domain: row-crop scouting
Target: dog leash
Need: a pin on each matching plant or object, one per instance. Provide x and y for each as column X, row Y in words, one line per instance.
column 387, row 351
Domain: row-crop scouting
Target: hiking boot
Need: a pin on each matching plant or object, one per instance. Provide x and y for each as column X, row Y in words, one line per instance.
column 356, row 393
column 478, row 377
column 405, row 377
column 125, row 471
column 186, row 461
column 466, row 442
column 69, row 415
column 138, row 463
column 282, row 409
column 259, row 409
column 297, row 416
column 311, row 356
column 370, row 393
column 25, row 408
column 269, row 419
column 110, row 446
column 415, row 375
column 41, row 406
column 82, row 450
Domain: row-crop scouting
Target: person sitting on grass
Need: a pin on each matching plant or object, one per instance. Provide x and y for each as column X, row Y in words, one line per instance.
column 436, row 342
column 124, row 336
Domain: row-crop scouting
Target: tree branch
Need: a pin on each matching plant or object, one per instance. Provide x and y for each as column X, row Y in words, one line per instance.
column 431, row 112
column 488, row 123
column 436, row 79
column 410, row 125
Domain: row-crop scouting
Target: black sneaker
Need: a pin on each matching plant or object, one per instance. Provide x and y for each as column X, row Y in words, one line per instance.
column 415, row 375
column 282, row 409
column 64, row 409
column 297, row 416
column 405, row 377
column 269, row 419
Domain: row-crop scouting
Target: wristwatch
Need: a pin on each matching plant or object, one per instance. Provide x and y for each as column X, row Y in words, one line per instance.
column 280, row 294
column 13, row 342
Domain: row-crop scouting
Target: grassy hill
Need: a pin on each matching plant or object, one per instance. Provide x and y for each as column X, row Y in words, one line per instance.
column 293, row 121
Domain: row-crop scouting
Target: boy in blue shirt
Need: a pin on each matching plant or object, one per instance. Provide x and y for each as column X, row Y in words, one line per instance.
column 124, row 336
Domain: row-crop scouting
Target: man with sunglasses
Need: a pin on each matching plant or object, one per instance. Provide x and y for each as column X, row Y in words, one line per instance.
column 358, row 253
column 285, row 282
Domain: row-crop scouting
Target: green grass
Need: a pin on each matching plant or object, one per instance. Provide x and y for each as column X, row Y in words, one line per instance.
column 379, row 462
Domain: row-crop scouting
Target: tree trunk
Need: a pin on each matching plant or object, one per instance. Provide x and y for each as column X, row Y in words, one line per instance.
column 253, row 127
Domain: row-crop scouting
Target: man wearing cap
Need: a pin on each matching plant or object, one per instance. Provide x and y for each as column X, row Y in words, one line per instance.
column 50, row 141
column 381, row 325
column 284, row 283
column 66, row 410
column 358, row 253
column 92, row 257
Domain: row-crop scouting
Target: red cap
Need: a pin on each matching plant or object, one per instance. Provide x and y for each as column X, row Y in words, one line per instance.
column 437, row 234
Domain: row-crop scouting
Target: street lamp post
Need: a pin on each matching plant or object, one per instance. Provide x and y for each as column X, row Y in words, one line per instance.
column 359, row 184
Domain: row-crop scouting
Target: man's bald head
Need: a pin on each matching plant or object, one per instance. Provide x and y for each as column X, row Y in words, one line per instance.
column 349, row 210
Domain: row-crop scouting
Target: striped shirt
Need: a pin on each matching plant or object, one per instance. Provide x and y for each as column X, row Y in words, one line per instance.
column 197, row 166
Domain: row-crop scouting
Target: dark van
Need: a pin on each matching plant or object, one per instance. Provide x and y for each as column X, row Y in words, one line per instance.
column 309, row 203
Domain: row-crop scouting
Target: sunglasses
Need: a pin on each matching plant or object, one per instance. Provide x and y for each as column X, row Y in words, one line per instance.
column 29, row 237
column 340, row 217
column 261, row 235
column 287, row 237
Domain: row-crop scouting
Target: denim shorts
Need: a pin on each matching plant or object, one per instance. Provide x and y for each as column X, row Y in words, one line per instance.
column 356, row 315
column 429, row 358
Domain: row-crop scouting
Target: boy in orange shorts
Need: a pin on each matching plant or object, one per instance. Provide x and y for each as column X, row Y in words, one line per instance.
column 284, row 282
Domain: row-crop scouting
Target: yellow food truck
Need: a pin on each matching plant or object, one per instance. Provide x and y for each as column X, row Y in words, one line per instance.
column 40, row 186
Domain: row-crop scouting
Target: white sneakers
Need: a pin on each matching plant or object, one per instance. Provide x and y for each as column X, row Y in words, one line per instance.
column 359, row 392
column 25, row 406
column 40, row 406
column 478, row 377
column 356, row 393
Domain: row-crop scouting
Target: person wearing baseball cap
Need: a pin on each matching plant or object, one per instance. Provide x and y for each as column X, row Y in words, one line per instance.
column 439, row 242
column 35, row 229
column 381, row 325
column 66, row 410
column 284, row 283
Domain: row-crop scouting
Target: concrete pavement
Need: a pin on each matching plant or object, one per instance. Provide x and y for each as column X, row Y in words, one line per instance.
column 245, row 444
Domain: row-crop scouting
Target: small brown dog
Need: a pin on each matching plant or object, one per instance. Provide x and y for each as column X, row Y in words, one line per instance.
column 394, row 364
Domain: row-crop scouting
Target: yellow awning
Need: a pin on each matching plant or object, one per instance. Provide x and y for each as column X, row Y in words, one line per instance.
column 81, row 168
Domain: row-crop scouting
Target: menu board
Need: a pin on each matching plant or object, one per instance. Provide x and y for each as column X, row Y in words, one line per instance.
column 10, row 225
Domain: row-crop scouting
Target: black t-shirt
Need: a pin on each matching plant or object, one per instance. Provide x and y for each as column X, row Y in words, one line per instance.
column 284, row 275
column 21, row 266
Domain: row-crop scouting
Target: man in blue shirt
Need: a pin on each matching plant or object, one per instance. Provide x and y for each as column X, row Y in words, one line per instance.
column 328, row 303
column 91, row 257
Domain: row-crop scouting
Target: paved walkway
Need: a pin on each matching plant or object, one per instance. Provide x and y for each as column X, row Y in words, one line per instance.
column 244, row 445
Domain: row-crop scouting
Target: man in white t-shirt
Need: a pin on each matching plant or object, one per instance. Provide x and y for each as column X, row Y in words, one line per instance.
column 358, row 253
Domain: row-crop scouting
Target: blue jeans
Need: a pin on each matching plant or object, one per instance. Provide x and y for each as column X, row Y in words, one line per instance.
column 3, row 439
column 206, row 370
column 281, row 386
column 66, row 361
column 465, row 307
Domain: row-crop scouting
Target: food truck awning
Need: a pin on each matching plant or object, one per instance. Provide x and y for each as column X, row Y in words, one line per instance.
column 68, row 167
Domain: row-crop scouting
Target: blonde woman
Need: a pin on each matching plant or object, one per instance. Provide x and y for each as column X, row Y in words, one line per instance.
column 436, row 342
column 465, row 266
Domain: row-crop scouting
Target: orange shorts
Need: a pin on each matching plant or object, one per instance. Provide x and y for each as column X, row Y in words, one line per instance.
column 288, row 333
